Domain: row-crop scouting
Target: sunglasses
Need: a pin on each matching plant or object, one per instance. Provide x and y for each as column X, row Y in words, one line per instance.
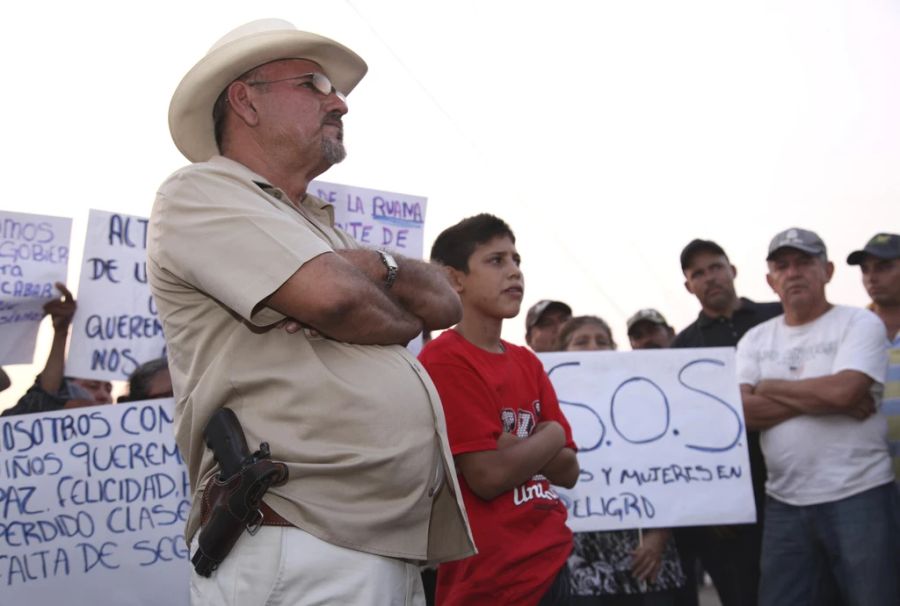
column 319, row 82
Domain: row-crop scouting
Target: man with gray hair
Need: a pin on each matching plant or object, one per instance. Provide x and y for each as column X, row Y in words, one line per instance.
column 811, row 380
column 237, row 246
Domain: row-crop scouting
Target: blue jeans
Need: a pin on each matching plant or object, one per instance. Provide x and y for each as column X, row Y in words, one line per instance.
column 849, row 549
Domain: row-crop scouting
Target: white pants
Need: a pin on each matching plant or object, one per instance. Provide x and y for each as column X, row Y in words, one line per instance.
column 285, row 566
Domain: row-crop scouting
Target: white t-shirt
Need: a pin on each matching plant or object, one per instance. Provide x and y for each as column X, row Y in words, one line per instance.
column 820, row 458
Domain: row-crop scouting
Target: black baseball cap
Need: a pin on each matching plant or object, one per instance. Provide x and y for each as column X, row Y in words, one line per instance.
column 882, row 246
column 696, row 246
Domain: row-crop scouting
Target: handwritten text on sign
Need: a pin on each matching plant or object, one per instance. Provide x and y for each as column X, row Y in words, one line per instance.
column 117, row 326
column 661, row 438
column 34, row 254
column 377, row 219
column 93, row 504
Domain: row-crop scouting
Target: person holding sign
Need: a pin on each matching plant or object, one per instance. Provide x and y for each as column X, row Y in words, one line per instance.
column 811, row 380
column 237, row 246
column 509, row 437
column 52, row 390
column 618, row 567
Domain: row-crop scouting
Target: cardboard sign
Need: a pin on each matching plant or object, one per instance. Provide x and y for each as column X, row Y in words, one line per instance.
column 93, row 503
column 377, row 219
column 34, row 255
column 661, row 438
column 117, row 326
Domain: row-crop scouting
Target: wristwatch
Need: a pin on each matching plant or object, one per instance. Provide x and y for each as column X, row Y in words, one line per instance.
column 392, row 268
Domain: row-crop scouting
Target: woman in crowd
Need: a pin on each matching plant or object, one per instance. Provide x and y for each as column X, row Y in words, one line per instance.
column 618, row 567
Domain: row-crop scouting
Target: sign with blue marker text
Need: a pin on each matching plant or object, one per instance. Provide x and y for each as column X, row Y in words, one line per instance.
column 93, row 503
column 117, row 326
column 376, row 219
column 661, row 438
column 34, row 255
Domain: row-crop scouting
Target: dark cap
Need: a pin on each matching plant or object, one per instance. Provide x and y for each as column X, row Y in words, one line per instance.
column 646, row 315
column 537, row 310
column 695, row 246
column 798, row 239
column 883, row 246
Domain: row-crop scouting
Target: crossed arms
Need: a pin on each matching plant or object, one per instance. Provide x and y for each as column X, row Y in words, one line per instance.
column 342, row 295
column 490, row 473
column 773, row 401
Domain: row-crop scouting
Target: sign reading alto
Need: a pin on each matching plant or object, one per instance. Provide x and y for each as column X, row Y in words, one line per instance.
column 34, row 255
column 116, row 327
column 661, row 438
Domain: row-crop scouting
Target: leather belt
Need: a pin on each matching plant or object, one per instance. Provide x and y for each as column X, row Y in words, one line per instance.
column 269, row 516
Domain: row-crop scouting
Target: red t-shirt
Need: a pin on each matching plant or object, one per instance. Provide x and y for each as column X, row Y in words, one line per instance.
column 521, row 535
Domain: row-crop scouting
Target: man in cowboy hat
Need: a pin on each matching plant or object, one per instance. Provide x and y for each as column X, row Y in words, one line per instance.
column 237, row 247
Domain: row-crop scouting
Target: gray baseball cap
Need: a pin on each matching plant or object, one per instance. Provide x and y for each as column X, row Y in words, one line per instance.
column 646, row 315
column 881, row 246
column 537, row 310
column 798, row 239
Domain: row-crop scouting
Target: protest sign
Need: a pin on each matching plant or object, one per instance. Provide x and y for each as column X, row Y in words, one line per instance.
column 93, row 503
column 116, row 327
column 376, row 219
column 661, row 438
column 34, row 254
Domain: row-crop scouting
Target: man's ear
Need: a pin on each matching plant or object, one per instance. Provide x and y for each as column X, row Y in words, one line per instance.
column 733, row 271
column 687, row 286
column 770, row 281
column 241, row 102
column 829, row 271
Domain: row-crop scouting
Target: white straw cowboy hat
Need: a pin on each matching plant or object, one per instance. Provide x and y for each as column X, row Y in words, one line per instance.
column 239, row 51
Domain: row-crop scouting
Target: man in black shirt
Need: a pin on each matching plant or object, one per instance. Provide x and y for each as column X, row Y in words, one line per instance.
column 730, row 554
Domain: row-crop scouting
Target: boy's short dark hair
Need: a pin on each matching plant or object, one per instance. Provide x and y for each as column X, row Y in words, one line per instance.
column 455, row 245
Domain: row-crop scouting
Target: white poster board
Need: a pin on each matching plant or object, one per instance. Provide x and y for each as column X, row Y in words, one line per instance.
column 34, row 255
column 661, row 438
column 377, row 219
column 117, row 326
column 93, row 503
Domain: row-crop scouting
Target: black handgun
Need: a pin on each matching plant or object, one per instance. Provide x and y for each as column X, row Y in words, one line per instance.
column 231, row 499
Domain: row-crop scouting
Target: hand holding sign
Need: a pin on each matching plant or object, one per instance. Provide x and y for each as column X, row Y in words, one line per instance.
column 61, row 310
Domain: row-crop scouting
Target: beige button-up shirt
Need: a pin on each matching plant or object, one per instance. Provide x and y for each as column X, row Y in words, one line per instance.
column 360, row 427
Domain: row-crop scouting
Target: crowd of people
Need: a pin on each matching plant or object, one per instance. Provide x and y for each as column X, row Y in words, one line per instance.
column 451, row 458
column 820, row 385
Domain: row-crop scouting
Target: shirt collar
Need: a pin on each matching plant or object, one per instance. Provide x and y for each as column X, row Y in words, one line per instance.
column 746, row 306
column 311, row 203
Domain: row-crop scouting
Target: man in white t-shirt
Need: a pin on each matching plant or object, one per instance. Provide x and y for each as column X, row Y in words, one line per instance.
column 811, row 380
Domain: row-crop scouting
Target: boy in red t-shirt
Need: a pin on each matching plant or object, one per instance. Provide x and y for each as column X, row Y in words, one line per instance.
column 509, row 439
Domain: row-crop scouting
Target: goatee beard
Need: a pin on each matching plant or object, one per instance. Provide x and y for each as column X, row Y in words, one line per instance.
column 333, row 150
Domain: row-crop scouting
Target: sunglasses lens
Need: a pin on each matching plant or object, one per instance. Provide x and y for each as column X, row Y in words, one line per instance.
column 324, row 86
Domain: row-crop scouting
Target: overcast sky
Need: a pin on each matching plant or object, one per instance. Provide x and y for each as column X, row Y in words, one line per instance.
column 607, row 133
